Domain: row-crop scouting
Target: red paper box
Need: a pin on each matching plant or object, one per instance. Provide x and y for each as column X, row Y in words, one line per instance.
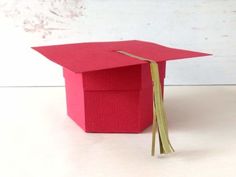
column 107, row 91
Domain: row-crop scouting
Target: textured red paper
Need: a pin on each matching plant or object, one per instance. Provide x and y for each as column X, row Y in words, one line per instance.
column 84, row 57
column 108, row 91
column 112, row 100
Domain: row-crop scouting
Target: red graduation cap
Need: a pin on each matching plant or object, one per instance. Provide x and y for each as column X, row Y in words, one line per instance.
column 108, row 91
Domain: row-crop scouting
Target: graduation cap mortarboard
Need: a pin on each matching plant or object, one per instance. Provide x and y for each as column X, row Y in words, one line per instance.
column 109, row 86
column 83, row 57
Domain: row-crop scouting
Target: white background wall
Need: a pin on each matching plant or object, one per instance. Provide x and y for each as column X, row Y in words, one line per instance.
column 204, row 25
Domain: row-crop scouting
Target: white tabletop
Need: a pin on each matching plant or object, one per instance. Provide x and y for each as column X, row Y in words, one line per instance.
column 37, row 139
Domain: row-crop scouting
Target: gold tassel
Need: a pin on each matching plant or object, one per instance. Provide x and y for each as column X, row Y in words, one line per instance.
column 159, row 115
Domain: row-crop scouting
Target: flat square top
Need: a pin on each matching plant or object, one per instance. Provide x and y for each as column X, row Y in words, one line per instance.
column 83, row 57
